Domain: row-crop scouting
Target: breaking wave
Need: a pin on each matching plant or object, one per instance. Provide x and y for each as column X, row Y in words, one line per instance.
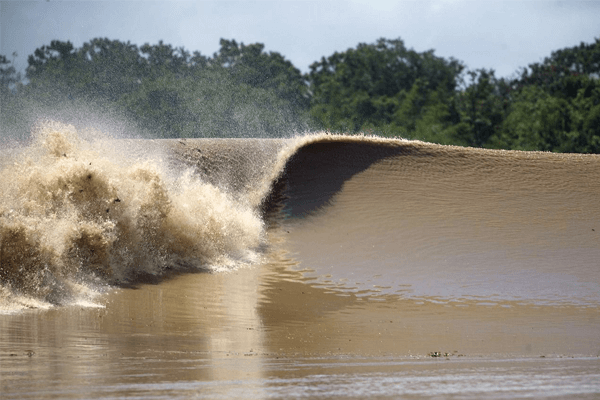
column 80, row 213
column 76, row 215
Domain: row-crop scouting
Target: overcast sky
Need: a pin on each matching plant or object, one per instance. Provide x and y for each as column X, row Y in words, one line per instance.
column 502, row 35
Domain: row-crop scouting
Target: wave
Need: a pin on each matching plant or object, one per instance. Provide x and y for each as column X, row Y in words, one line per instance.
column 79, row 211
column 75, row 213
column 442, row 223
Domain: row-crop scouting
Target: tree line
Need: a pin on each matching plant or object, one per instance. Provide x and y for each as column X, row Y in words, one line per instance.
column 382, row 88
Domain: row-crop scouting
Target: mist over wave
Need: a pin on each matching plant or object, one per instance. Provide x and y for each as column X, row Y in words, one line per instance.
column 77, row 214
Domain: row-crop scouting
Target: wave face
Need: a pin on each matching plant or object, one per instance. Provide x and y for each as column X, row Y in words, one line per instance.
column 447, row 224
column 79, row 212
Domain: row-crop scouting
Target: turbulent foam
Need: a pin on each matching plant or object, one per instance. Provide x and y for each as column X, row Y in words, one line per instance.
column 75, row 215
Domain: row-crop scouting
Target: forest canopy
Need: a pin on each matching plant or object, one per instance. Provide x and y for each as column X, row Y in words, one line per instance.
column 381, row 88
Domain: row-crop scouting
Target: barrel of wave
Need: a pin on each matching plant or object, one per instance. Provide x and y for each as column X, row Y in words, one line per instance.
column 76, row 211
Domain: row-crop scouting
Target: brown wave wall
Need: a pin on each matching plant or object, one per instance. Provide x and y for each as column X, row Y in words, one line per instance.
column 446, row 223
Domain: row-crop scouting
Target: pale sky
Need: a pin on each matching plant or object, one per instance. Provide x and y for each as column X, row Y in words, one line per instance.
column 501, row 35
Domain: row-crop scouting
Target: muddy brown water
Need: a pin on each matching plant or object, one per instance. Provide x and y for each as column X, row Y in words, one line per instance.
column 343, row 268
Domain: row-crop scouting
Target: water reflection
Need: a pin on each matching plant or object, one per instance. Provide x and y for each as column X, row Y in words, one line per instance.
column 175, row 331
column 248, row 332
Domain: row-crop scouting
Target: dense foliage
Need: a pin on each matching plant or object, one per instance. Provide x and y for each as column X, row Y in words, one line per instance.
column 382, row 88
column 168, row 92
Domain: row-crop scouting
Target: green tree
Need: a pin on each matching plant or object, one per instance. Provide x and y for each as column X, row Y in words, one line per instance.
column 537, row 121
column 541, row 121
column 554, row 104
column 551, row 74
column 482, row 106
column 367, row 86
column 166, row 90
column 53, row 67
column 100, row 69
column 240, row 91
column 11, row 100
column 108, row 68
column 8, row 73
column 586, row 118
column 251, row 65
